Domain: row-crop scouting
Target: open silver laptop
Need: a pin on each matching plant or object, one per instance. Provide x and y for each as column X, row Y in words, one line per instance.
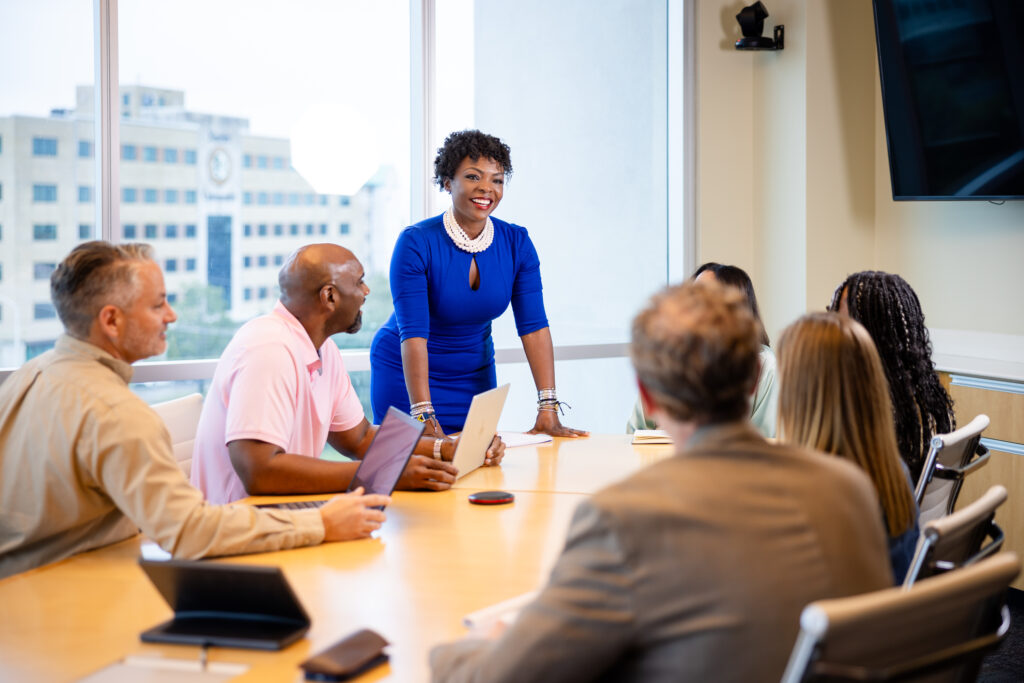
column 480, row 428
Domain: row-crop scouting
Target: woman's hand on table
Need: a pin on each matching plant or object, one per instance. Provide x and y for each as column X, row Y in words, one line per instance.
column 548, row 423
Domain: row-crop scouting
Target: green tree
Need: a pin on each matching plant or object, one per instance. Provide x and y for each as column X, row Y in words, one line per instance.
column 203, row 328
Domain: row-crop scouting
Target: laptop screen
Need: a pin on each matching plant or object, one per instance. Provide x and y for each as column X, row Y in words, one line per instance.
column 387, row 456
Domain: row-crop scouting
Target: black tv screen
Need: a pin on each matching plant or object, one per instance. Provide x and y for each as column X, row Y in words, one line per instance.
column 952, row 75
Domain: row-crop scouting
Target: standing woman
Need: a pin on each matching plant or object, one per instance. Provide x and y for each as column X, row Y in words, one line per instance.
column 451, row 276
column 889, row 309
column 833, row 398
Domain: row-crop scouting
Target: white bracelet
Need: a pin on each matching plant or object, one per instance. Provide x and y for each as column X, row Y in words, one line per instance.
column 437, row 448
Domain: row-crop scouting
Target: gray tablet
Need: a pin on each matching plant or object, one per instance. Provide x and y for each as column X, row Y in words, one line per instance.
column 227, row 605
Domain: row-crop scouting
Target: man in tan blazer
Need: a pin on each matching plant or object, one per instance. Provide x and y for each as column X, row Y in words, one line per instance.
column 695, row 568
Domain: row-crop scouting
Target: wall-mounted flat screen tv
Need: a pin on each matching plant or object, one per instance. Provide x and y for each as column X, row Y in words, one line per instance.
column 952, row 75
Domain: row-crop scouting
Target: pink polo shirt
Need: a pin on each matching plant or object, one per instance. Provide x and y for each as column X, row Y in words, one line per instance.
column 273, row 386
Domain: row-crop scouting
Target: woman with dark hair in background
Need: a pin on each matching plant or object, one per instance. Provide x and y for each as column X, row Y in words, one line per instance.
column 833, row 398
column 451, row 276
column 890, row 311
column 763, row 403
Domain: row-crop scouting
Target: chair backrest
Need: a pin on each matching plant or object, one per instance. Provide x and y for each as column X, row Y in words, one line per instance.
column 937, row 631
column 949, row 460
column 956, row 540
column 182, row 419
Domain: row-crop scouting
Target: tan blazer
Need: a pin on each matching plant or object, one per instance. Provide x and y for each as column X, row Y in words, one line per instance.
column 693, row 569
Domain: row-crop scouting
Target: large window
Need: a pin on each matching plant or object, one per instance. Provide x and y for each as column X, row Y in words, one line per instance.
column 230, row 157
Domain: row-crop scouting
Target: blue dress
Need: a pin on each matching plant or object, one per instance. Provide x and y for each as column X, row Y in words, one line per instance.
column 433, row 300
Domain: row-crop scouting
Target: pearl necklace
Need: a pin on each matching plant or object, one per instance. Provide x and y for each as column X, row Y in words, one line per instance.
column 462, row 240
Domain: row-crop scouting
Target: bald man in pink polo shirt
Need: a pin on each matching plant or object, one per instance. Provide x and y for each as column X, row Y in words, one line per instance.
column 281, row 392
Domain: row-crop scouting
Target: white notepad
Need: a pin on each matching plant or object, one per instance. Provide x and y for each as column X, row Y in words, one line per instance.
column 514, row 439
column 651, row 436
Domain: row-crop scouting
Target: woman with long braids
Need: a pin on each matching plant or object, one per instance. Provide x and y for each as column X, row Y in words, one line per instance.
column 890, row 311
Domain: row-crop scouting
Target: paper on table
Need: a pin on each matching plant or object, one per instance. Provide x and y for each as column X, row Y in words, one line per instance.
column 505, row 612
column 513, row 439
column 652, row 436
column 156, row 670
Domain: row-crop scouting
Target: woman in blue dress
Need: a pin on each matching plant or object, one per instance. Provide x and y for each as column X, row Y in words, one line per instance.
column 451, row 276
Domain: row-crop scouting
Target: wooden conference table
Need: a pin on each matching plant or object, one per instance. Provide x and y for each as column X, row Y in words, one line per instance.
column 436, row 559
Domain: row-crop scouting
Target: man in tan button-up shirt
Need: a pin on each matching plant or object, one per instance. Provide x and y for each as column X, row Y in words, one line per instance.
column 84, row 462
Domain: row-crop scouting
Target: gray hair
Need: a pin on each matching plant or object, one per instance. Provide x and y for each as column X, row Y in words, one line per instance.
column 92, row 276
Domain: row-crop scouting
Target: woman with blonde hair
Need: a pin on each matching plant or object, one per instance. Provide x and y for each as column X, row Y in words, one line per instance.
column 833, row 397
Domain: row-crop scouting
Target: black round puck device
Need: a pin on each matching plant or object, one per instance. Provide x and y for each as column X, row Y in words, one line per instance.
column 491, row 497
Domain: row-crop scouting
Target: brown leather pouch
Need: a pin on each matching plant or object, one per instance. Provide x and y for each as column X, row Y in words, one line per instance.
column 349, row 657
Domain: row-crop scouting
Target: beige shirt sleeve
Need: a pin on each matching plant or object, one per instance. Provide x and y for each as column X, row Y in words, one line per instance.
column 130, row 457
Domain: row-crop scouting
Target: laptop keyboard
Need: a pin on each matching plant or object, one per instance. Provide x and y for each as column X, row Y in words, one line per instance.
column 296, row 505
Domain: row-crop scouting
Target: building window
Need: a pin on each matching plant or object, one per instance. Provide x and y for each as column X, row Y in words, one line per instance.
column 246, row 161
column 344, row 200
column 278, row 230
column 150, row 195
column 263, row 198
column 171, row 231
column 85, row 231
column 190, row 196
column 84, row 194
column 85, row 149
column 129, row 152
column 41, row 232
column 171, row 265
column 247, row 261
column 247, row 293
column 323, row 228
column 172, row 298
column 263, row 292
column 42, row 271
column 278, row 259
column 190, row 157
column 126, row 99
column 190, row 230
column 44, row 311
column 151, row 231
column 129, row 231
column 279, row 198
column 247, row 230
column 323, row 200
column 309, row 228
column 44, row 193
column 293, row 198
column 149, row 153
column 44, row 147
column 279, row 163
column 170, row 155
column 293, row 229
column 247, row 197
column 261, row 161
column 344, row 229
column 262, row 230
column 129, row 195
column 262, row 262
column 309, row 199
column 170, row 196
column 190, row 264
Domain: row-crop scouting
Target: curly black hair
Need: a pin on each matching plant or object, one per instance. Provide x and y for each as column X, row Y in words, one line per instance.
column 472, row 144
column 887, row 306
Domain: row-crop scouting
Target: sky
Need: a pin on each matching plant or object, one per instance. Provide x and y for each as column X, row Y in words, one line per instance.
column 334, row 71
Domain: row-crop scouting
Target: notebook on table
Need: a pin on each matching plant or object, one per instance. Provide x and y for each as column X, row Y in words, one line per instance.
column 226, row 605
column 479, row 430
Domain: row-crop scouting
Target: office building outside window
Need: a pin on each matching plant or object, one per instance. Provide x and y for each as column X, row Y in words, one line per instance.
column 44, row 147
column 44, row 232
column 44, row 193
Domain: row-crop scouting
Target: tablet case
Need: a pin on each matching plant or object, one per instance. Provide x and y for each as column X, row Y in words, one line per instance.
column 349, row 657
column 227, row 605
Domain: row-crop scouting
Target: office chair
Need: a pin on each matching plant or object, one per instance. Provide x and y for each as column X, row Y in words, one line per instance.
column 937, row 631
column 956, row 540
column 949, row 460
column 182, row 419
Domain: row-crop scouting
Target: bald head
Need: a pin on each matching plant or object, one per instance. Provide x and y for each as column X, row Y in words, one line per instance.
column 324, row 281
